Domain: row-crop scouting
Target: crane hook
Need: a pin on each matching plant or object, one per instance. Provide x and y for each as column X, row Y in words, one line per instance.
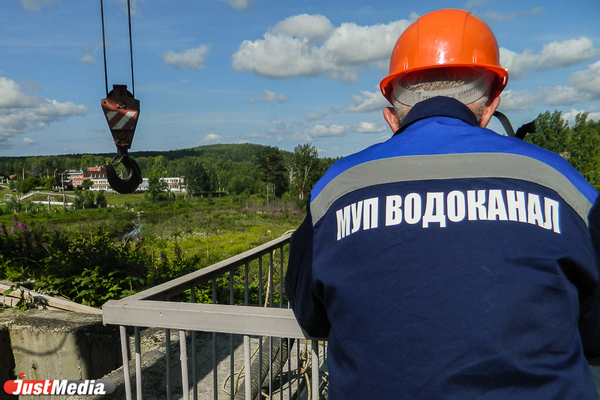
column 134, row 173
column 121, row 110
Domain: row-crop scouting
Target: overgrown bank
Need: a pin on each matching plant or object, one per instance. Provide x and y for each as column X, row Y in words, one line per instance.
column 91, row 256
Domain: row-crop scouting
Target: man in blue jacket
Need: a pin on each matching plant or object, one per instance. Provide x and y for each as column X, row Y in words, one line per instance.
column 450, row 262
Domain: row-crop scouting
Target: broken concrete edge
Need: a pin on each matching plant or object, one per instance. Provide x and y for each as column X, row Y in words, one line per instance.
column 53, row 345
column 49, row 302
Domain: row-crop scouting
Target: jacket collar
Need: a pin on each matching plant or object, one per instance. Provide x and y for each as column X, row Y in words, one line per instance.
column 438, row 107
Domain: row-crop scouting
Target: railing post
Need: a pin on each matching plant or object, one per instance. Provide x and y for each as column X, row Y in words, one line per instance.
column 231, row 352
column 168, row 362
column 214, row 346
column 138, row 364
column 125, row 354
column 247, row 368
column 315, row 370
column 184, row 367
column 194, row 367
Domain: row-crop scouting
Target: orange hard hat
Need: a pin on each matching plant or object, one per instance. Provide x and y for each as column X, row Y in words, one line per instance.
column 446, row 38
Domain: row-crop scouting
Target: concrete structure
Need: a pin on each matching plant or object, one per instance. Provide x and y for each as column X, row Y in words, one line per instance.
column 46, row 344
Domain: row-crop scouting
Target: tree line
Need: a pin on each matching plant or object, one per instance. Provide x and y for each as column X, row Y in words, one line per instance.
column 578, row 144
column 224, row 168
column 270, row 172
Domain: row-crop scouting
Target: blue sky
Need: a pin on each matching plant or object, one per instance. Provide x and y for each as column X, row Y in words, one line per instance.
column 277, row 73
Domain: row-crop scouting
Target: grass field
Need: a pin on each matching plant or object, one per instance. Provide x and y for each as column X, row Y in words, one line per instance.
column 92, row 255
column 212, row 229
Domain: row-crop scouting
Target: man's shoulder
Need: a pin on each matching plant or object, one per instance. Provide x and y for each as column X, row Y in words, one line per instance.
column 345, row 164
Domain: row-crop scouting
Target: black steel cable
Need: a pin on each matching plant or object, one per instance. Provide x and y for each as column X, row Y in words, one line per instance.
column 104, row 46
column 130, row 47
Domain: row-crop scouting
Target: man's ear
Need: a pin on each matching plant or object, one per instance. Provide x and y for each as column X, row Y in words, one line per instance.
column 488, row 112
column 389, row 114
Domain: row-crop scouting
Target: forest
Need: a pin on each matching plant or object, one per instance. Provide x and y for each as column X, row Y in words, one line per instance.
column 268, row 171
column 234, row 169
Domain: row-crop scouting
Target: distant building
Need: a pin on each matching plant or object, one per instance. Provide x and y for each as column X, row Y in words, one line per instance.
column 100, row 181
column 176, row 184
column 96, row 174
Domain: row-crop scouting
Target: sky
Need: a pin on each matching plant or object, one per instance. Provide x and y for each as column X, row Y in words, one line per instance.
column 269, row 72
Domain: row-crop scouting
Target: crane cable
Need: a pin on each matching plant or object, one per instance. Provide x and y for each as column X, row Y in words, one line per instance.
column 130, row 46
column 121, row 110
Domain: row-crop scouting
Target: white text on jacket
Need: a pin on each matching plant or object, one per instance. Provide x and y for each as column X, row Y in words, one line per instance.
column 438, row 209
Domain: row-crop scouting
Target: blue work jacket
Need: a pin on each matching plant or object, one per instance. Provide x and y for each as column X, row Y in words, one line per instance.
column 450, row 262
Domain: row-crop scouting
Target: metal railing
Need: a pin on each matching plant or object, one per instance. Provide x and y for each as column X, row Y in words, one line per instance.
column 242, row 299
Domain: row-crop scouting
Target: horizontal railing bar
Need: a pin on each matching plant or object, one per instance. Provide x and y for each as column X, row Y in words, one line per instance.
column 243, row 320
column 179, row 285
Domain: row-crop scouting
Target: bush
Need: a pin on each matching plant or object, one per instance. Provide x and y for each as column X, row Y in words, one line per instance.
column 89, row 269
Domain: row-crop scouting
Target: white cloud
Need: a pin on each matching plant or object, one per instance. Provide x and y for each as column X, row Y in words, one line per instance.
column 211, row 138
column 331, row 130
column 28, row 142
column 492, row 16
column 585, row 87
column 134, row 6
column 239, row 4
column 314, row 117
column 352, row 44
column 302, row 137
column 552, row 56
column 188, row 59
column 257, row 136
column 369, row 127
column 281, row 56
column 517, row 100
column 37, row 5
column 269, row 97
column 570, row 116
column 327, row 130
column 21, row 113
column 368, row 101
column 88, row 59
column 550, row 96
column 588, row 80
column 308, row 45
column 562, row 95
column 304, row 26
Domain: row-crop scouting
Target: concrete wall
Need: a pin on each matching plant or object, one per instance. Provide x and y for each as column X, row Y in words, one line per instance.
column 47, row 344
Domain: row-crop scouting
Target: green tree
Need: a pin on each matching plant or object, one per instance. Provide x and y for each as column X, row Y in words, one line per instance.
column 156, row 187
column 84, row 200
column 101, row 199
column 29, row 184
column 584, row 149
column 196, row 179
column 86, row 184
column 90, row 160
column 579, row 145
column 551, row 133
column 271, row 165
column 304, row 163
